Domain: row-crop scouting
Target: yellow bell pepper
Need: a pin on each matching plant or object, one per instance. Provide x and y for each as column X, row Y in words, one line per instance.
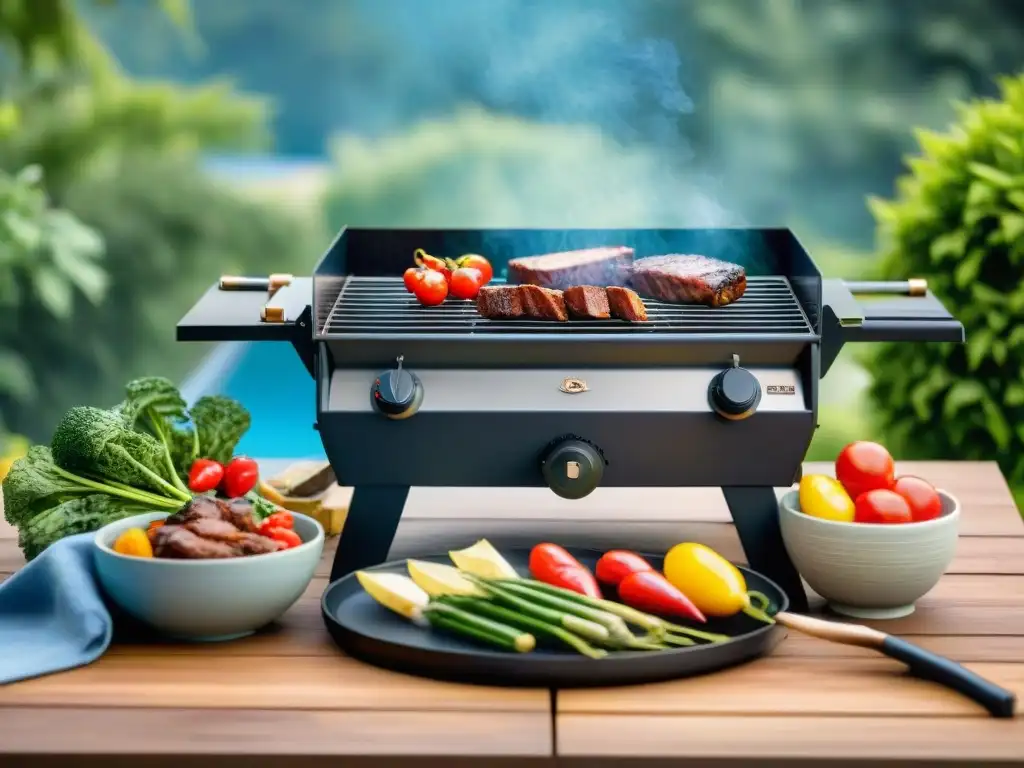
column 712, row 583
column 134, row 542
column 824, row 497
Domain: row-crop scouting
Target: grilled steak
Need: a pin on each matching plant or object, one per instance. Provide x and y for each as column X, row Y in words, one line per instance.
column 593, row 266
column 587, row 301
column 208, row 528
column 689, row 279
column 520, row 302
column 625, row 304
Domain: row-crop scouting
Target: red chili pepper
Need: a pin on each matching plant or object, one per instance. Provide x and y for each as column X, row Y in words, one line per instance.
column 240, row 476
column 551, row 564
column 651, row 592
column 205, row 475
column 617, row 564
column 287, row 537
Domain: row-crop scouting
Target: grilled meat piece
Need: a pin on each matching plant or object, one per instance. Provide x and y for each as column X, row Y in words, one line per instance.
column 256, row 544
column 592, row 266
column 237, row 512
column 519, row 302
column 177, row 541
column 688, row 279
column 587, row 301
column 625, row 304
column 215, row 530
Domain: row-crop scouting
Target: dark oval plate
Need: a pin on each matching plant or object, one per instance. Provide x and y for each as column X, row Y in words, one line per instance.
column 368, row 631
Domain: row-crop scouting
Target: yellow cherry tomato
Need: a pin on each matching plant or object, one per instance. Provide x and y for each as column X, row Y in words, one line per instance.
column 134, row 542
column 712, row 583
column 824, row 497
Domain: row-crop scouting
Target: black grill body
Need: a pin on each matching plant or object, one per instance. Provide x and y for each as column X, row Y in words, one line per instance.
column 497, row 405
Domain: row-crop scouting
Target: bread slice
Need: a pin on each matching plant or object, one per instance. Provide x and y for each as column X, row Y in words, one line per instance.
column 587, row 301
column 518, row 302
column 592, row 266
column 626, row 304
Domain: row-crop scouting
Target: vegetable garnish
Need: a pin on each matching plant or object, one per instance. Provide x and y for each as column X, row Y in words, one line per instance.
column 650, row 591
column 240, row 476
column 553, row 565
column 205, row 475
column 616, row 564
column 134, row 542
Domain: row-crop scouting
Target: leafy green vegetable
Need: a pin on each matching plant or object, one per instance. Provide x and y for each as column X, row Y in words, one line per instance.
column 91, row 441
column 155, row 406
column 219, row 422
column 77, row 515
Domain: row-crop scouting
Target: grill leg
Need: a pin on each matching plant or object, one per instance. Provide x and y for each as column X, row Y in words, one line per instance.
column 370, row 526
column 755, row 511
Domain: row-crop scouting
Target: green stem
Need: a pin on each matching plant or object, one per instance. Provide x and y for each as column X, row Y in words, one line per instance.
column 755, row 612
column 161, row 435
column 110, row 490
column 171, row 491
column 152, row 497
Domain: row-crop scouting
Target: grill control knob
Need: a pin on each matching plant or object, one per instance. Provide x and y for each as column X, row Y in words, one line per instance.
column 397, row 393
column 735, row 392
column 573, row 468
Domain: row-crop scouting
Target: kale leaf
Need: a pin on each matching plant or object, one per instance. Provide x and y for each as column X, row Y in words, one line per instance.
column 155, row 406
column 219, row 423
column 78, row 515
column 33, row 485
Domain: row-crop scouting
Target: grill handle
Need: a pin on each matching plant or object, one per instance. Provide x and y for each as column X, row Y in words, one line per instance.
column 902, row 311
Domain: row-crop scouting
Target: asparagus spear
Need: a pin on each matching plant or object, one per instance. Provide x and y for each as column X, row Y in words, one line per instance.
column 585, row 628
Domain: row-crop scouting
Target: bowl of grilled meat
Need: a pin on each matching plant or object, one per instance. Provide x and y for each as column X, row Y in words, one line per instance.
column 210, row 571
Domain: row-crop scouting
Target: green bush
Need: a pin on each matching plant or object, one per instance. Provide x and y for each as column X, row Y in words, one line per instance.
column 958, row 219
column 169, row 233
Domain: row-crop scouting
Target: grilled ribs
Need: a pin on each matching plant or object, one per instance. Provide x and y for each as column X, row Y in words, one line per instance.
column 592, row 266
column 689, row 279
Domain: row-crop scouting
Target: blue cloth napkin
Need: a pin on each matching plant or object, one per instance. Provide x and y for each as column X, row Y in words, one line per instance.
column 52, row 613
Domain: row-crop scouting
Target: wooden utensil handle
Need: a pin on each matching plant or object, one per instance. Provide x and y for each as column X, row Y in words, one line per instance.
column 930, row 666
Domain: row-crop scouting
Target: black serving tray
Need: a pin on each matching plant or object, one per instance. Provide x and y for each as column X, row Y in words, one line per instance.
column 368, row 631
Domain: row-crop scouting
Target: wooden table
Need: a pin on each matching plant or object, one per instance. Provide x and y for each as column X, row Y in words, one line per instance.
column 288, row 693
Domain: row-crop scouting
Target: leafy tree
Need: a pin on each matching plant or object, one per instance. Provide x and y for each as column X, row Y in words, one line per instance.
column 958, row 218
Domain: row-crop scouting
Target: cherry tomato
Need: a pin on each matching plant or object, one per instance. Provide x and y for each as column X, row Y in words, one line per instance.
column 432, row 289
column 882, row 506
column 240, row 477
column 286, row 536
column 922, row 497
column 465, row 283
column 205, row 475
column 281, row 519
column 412, row 277
column 864, row 466
column 617, row 564
column 475, row 261
column 433, row 264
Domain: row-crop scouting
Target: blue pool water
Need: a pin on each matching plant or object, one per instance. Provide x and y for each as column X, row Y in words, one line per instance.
column 269, row 380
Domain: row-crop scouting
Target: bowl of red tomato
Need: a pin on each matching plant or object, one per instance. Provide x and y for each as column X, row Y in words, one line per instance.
column 870, row 541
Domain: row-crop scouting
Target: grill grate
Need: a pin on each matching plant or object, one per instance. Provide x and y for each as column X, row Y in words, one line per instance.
column 381, row 305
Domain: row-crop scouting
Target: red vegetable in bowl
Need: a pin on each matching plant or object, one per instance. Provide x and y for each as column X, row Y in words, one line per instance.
column 205, row 475
column 286, row 536
column 651, row 592
column 617, row 564
column 922, row 497
column 881, row 506
column 864, row 466
column 240, row 476
column 553, row 565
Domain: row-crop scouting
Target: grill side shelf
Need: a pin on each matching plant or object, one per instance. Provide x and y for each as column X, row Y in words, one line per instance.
column 222, row 315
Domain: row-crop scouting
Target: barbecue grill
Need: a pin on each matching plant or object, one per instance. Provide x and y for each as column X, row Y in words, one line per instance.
column 438, row 396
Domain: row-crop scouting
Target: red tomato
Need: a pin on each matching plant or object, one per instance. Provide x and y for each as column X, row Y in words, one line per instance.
column 240, row 477
column 475, row 261
column 864, row 466
column 432, row 289
column 286, row 536
column 281, row 519
column 205, row 475
column 922, row 497
column 412, row 277
column 465, row 283
column 617, row 564
column 881, row 506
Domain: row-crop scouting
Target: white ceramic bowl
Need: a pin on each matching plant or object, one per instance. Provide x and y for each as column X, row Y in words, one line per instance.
column 207, row 600
column 870, row 571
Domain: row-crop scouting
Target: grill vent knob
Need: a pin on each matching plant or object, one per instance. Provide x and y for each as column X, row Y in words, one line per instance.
column 573, row 468
column 397, row 393
column 735, row 392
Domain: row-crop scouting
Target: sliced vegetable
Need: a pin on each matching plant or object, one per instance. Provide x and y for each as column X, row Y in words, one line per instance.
column 134, row 542
column 881, row 506
column 617, row 564
column 924, row 500
column 240, row 476
column 395, row 592
column 714, row 585
column 530, row 623
column 205, row 475
column 436, row 579
column 651, row 592
column 483, row 560
column 286, row 536
column 478, row 262
column 590, row 630
column 465, row 283
column 432, row 289
column 864, row 466
column 465, row 623
column 823, row 497
column 553, row 565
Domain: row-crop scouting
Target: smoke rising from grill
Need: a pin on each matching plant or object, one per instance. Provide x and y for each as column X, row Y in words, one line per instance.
column 560, row 115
